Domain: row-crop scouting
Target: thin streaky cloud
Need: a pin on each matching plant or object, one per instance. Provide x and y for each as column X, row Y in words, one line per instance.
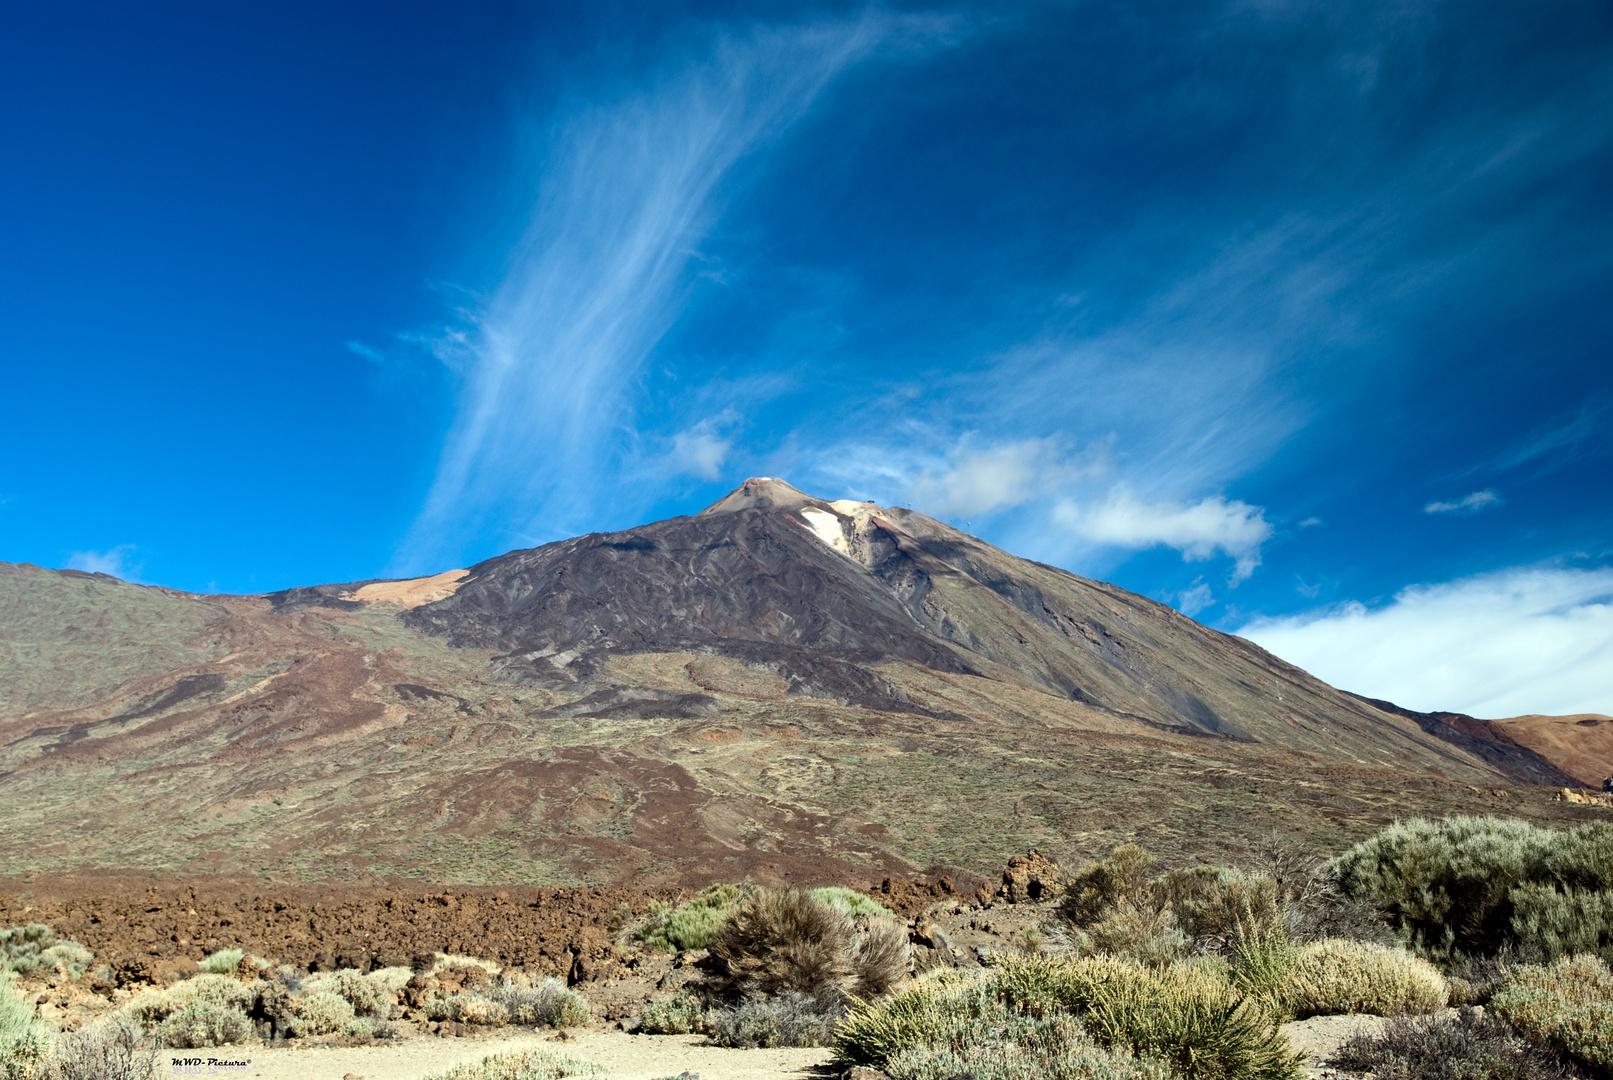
column 1580, row 434
column 1467, row 504
column 551, row 362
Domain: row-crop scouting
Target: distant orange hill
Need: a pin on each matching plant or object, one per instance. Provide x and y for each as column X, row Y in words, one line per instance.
column 1579, row 745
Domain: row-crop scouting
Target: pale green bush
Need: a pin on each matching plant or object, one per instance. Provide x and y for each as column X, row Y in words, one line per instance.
column 533, row 1064
column 791, row 1018
column 322, row 1013
column 545, row 1002
column 35, row 946
column 468, row 1008
column 944, row 1028
column 1567, row 1004
column 368, row 995
column 25, row 1042
column 1188, row 1016
column 201, row 1023
column 112, row 1049
column 1334, row 977
column 689, row 925
column 851, row 903
column 206, row 1007
column 224, row 962
column 679, row 1015
column 392, row 979
column 1477, row 886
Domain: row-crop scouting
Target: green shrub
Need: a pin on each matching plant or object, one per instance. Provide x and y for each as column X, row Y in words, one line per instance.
column 788, row 1019
column 532, row 1064
column 205, row 1007
column 368, row 995
column 1120, row 881
column 32, row 947
column 321, row 1013
column 851, row 903
column 1217, row 907
column 25, row 1042
column 1567, row 1004
column 1115, row 908
column 1465, row 1046
column 689, row 925
column 468, row 1008
column 679, row 1015
column 1025, row 1049
column 1188, row 1016
column 549, row 1002
column 1262, row 964
column 1475, row 886
column 224, row 962
column 200, row 1023
column 946, row 1028
column 1334, row 977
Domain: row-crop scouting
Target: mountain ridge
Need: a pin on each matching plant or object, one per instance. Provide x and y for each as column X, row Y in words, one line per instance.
column 779, row 686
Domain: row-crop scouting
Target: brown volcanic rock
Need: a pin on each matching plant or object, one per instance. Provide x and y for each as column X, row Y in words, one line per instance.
column 781, row 687
column 167, row 925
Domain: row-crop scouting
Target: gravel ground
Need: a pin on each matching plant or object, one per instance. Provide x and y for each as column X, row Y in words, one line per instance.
column 623, row 1056
column 1319, row 1036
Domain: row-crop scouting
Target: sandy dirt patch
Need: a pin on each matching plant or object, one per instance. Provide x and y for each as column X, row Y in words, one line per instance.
column 1319, row 1037
column 413, row 592
column 623, row 1056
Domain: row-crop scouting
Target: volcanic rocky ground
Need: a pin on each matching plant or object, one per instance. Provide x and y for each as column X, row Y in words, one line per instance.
column 779, row 687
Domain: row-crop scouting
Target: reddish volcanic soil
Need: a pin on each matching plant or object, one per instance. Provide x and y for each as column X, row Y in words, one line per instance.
column 145, row 928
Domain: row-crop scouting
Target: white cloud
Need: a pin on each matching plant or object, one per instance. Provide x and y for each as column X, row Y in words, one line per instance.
column 114, row 561
column 1192, row 600
column 1507, row 643
column 1198, row 530
column 701, row 450
column 1000, row 476
column 1467, row 504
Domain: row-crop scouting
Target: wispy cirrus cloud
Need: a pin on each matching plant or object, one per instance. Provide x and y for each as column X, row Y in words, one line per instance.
column 1467, row 504
column 1584, row 431
column 551, row 359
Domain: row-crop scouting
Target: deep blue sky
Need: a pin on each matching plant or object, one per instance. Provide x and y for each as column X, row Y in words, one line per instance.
column 1297, row 316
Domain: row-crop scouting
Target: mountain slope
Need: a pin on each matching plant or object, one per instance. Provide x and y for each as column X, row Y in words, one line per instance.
column 779, row 686
column 819, row 591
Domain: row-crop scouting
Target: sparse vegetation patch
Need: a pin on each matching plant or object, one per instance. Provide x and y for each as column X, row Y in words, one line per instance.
column 35, row 947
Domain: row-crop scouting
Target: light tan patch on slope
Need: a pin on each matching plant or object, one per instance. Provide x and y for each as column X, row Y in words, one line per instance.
column 413, row 592
column 1580, row 745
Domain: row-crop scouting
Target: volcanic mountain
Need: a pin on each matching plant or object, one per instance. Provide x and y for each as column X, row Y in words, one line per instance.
column 779, row 686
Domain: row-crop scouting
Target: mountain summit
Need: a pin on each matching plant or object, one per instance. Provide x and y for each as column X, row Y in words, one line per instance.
column 828, row 595
column 780, row 685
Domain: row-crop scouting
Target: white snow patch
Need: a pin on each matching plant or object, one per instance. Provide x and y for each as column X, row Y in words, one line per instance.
column 826, row 527
column 851, row 507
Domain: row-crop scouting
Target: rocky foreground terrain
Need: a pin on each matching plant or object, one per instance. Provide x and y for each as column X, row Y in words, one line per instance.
column 780, row 688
